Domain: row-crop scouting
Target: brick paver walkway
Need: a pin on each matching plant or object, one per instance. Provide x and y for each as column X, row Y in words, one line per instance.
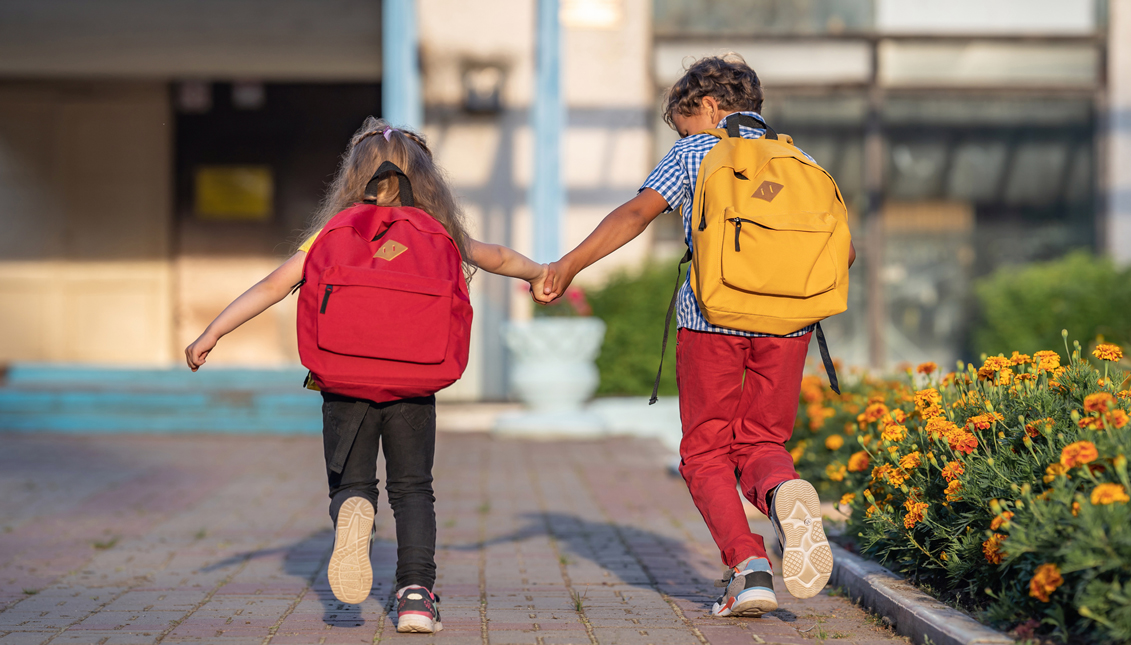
column 136, row 539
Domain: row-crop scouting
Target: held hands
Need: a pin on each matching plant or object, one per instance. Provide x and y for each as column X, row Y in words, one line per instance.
column 198, row 351
column 558, row 276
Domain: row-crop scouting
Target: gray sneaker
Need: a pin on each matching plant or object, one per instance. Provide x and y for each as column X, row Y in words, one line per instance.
column 749, row 591
column 807, row 561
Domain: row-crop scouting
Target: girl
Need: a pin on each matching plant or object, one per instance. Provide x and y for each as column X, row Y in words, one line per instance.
column 406, row 426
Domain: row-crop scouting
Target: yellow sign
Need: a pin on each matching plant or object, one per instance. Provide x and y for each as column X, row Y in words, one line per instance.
column 234, row 193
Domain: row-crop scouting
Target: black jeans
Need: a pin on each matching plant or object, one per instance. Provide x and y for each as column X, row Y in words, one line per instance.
column 408, row 429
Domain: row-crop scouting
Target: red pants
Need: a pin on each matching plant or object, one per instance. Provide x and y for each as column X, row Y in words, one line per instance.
column 738, row 400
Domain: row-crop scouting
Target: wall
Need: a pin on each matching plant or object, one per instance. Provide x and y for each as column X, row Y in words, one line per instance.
column 85, row 206
column 607, row 147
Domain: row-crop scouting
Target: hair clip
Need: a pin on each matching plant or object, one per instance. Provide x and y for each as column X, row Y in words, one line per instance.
column 389, row 132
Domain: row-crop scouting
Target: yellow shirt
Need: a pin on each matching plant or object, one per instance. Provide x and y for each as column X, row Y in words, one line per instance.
column 305, row 246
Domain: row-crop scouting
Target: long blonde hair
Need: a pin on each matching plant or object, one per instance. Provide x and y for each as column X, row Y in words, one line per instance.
column 375, row 143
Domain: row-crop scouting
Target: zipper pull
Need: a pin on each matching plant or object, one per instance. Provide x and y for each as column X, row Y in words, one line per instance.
column 737, row 229
column 326, row 298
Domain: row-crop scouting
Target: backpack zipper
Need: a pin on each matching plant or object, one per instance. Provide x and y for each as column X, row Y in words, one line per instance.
column 738, row 228
column 326, row 298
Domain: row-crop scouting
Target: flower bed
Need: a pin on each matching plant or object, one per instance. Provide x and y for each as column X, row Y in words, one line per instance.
column 1003, row 488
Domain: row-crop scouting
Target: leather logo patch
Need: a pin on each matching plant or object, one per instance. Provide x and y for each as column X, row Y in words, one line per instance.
column 390, row 250
column 768, row 191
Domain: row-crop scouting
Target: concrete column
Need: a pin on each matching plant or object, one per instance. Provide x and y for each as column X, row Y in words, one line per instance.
column 400, row 85
column 1117, row 228
column 549, row 119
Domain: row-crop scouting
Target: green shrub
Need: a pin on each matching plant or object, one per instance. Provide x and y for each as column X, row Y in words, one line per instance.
column 1024, row 308
column 1003, row 488
column 633, row 307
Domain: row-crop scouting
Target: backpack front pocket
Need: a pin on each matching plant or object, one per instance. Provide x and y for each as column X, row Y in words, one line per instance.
column 375, row 313
column 786, row 254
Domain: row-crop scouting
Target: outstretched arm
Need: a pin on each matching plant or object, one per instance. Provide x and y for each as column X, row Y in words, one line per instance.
column 503, row 260
column 617, row 229
column 250, row 304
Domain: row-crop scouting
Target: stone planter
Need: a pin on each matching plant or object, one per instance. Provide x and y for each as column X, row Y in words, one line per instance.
column 553, row 373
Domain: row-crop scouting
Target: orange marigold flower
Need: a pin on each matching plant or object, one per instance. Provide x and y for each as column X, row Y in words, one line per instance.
column 1000, row 519
column 1117, row 418
column 812, row 390
column 984, row 421
column 1045, row 581
column 927, row 368
column 910, row 461
column 858, row 462
column 992, row 366
column 874, row 412
column 927, row 398
column 952, row 491
column 1055, row 470
column 846, row 499
column 1034, row 428
column 916, row 511
column 1075, row 509
column 1098, row 402
column 1105, row 494
column 1124, row 394
column 1020, row 359
column 1024, row 378
column 797, row 452
column 898, row 415
column 818, row 414
column 1089, row 423
column 871, row 510
column 939, row 427
column 835, row 471
column 1049, row 360
column 894, row 432
column 1107, row 352
column 1078, row 453
column 953, row 470
column 992, row 548
column 963, row 442
column 834, row 442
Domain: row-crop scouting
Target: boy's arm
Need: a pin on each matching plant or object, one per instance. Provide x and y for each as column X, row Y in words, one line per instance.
column 617, row 229
column 250, row 304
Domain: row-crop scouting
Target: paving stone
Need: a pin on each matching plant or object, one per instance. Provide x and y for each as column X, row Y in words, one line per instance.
column 224, row 541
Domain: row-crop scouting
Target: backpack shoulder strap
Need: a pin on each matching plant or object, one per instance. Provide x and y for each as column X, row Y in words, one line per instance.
column 668, row 324
column 735, row 120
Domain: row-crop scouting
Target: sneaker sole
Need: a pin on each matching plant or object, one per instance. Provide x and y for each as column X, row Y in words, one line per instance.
column 349, row 572
column 751, row 603
column 416, row 624
column 807, row 560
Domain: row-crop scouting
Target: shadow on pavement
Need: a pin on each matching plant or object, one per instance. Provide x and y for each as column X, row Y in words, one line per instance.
column 636, row 556
column 307, row 559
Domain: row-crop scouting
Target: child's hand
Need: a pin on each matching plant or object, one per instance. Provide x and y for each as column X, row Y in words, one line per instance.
column 536, row 287
column 198, row 351
column 557, row 280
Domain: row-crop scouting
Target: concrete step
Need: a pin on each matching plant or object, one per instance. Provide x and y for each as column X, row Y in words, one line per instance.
column 84, row 399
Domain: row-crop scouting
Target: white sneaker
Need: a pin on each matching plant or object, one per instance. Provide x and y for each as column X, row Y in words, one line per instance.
column 807, row 560
column 350, row 574
column 749, row 591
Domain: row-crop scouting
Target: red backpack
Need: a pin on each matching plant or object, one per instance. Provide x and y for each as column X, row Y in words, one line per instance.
column 384, row 313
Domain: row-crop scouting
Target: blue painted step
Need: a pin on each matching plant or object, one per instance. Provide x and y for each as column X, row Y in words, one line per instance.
column 85, row 399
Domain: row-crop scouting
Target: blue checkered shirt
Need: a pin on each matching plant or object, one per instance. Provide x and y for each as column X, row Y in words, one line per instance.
column 674, row 179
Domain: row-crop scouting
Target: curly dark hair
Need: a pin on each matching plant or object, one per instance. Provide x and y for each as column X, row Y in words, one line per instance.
column 727, row 79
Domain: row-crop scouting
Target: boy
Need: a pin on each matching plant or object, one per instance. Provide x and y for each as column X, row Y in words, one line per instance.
column 738, row 390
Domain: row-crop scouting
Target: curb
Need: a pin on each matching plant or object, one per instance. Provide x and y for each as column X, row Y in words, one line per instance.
column 913, row 613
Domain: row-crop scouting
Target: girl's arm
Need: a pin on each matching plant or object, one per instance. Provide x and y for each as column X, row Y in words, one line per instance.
column 502, row 260
column 506, row 261
column 253, row 302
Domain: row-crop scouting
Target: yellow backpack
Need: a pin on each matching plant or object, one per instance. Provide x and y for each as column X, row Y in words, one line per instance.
column 771, row 239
